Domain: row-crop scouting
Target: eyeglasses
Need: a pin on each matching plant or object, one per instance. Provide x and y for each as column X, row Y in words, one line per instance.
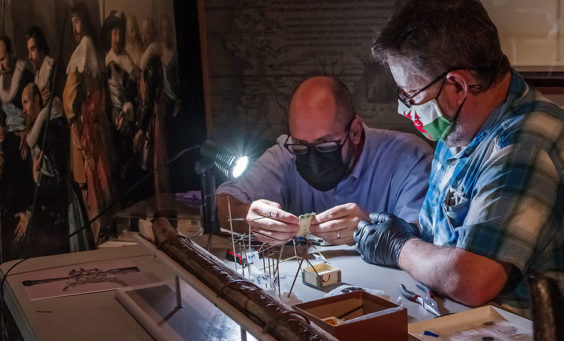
column 408, row 100
column 321, row 146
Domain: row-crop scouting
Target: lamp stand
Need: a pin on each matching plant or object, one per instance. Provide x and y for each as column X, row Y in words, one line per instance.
column 208, row 209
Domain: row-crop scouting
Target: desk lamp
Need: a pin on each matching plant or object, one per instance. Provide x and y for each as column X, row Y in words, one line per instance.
column 215, row 160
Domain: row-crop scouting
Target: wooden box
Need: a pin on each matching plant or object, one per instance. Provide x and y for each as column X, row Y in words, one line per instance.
column 357, row 316
column 327, row 275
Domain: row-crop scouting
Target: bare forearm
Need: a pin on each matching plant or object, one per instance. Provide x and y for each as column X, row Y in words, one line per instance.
column 239, row 210
column 459, row 274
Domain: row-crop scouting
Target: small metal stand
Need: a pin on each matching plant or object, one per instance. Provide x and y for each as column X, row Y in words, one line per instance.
column 210, row 222
column 243, row 334
column 178, row 292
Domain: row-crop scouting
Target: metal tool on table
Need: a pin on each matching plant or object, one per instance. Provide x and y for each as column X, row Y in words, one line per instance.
column 427, row 302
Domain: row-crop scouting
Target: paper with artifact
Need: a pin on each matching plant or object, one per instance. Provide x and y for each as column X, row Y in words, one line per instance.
column 82, row 279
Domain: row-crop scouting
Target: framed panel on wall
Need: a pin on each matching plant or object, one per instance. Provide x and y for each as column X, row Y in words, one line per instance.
column 532, row 37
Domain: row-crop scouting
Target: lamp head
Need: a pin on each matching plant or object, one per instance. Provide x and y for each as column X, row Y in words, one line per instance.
column 228, row 164
column 240, row 166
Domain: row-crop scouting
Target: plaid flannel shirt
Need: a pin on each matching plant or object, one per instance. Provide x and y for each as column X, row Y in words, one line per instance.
column 502, row 196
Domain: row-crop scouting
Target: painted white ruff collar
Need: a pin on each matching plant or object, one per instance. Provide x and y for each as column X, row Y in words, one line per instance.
column 122, row 60
column 167, row 55
column 152, row 49
column 84, row 58
column 7, row 95
column 42, row 76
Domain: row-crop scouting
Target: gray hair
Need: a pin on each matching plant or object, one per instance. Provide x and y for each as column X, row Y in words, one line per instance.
column 435, row 36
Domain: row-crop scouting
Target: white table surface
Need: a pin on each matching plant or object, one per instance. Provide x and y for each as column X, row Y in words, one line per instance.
column 356, row 272
column 99, row 316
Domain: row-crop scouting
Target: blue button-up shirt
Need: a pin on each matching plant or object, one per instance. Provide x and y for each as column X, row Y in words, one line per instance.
column 391, row 175
column 502, row 196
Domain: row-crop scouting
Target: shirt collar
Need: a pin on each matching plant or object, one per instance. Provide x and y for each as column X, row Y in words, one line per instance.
column 517, row 88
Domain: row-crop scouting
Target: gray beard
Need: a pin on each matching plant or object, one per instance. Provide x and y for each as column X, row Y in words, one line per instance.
column 457, row 137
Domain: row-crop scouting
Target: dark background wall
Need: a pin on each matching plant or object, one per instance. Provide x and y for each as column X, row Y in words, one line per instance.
column 190, row 128
column 259, row 51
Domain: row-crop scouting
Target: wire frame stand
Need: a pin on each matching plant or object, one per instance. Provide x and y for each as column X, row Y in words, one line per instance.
column 301, row 253
column 272, row 256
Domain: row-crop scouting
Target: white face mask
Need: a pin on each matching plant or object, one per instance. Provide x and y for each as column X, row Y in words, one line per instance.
column 428, row 119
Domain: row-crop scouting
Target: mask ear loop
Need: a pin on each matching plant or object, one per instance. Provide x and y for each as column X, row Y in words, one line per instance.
column 350, row 158
column 455, row 118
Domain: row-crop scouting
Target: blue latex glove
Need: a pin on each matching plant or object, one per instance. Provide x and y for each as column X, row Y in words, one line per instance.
column 380, row 241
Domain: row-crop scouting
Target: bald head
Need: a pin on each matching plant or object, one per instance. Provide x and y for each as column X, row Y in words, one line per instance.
column 31, row 102
column 322, row 104
column 29, row 90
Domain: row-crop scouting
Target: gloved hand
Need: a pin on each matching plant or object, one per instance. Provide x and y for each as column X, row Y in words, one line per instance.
column 380, row 241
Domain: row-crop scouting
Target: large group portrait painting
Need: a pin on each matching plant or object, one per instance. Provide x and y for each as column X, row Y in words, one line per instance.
column 87, row 91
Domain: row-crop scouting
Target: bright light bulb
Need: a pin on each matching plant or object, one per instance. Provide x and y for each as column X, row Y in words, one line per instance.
column 240, row 166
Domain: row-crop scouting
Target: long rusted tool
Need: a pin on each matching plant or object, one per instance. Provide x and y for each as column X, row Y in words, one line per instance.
column 277, row 318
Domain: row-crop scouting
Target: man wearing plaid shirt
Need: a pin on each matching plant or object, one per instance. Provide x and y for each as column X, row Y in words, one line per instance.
column 494, row 211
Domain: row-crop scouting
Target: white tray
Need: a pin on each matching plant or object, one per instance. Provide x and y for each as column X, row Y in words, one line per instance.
column 475, row 324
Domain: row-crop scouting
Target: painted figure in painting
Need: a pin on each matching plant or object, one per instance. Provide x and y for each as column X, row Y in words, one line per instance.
column 150, row 46
column 83, row 100
column 170, row 64
column 52, row 214
column 16, row 183
column 150, row 137
column 133, row 44
column 42, row 65
column 121, row 97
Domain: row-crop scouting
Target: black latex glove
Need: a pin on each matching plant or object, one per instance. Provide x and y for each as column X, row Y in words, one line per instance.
column 380, row 241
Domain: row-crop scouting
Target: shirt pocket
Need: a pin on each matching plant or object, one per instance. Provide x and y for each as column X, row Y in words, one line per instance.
column 455, row 208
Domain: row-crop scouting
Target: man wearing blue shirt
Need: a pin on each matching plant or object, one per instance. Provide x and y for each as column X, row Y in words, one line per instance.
column 331, row 164
column 494, row 211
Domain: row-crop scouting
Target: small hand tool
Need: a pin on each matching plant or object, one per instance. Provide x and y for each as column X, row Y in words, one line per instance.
column 428, row 302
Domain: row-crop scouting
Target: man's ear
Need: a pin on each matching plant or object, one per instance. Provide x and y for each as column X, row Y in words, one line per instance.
column 37, row 100
column 356, row 129
column 459, row 82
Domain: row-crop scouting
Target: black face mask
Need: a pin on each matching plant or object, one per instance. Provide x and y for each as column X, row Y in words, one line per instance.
column 322, row 171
